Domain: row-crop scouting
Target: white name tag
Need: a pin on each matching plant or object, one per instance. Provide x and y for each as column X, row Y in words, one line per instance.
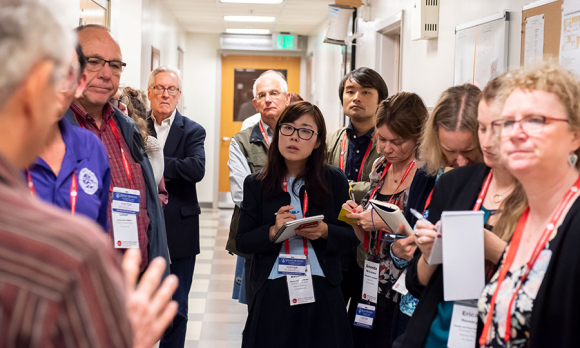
column 371, row 281
column 289, row 264
column 125, row 207
column 400, row 286
column 365, row 314
column 463, row 327
column 300, row 288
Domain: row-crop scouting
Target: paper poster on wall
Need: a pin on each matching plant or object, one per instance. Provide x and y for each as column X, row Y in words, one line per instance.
column 534, row 40
column 570, row 40
column 481, row 50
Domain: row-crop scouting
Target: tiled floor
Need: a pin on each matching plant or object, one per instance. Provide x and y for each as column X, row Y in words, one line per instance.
column 215, row 320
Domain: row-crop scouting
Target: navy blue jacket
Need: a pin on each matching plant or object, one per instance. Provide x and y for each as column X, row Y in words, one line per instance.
column 156, row 232
column 184, row 167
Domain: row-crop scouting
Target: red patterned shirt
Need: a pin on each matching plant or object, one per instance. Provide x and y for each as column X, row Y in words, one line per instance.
column 58, row 287
column 119, row 177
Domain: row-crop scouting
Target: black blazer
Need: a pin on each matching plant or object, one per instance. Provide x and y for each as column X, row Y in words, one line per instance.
column 257, row 215
column 455, row 190
column 184, row 167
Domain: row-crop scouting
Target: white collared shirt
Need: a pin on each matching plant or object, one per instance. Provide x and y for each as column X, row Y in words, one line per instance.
column 239, row 167
column 162, row 130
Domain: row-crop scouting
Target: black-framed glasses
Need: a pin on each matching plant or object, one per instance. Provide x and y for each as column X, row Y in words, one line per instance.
column 531, row 124
column 95, row 64
column 303, row 133
column 171, row 90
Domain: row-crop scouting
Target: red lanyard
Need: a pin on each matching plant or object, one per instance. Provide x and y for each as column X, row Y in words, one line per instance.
column 483, row 191
column 428, row 201
column 123, row 157
column 407, row 171
column 73, row 190
column 264, row 133
column 511, row 254
column 343, row 152
column 304, row 242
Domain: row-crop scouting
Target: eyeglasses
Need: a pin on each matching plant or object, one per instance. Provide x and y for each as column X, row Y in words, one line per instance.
column 172, row 90
column 273, row 94
column 530, row 124
column 95, row 64
column 70, row 78
column 303, row 133
column 115, row 101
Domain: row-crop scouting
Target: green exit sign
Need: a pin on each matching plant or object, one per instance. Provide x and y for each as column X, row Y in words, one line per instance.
column 285, row 42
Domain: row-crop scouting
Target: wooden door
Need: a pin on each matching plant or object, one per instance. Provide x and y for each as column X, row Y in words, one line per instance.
column 234, row 99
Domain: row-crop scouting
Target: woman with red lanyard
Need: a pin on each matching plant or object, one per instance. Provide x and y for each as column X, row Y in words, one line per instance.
column 538, row 273
column 449, row 141
column 399, row 122
column 306, row 309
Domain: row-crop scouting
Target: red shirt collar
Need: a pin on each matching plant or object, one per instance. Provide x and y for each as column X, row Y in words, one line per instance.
column 85, row 119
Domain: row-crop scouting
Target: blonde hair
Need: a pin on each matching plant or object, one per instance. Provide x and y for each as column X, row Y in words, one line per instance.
column 547, row 77
column 456, row 110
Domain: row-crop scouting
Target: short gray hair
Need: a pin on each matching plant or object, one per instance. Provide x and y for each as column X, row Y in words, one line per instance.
column 276, row 76
column 30, row 32
column 163, row 69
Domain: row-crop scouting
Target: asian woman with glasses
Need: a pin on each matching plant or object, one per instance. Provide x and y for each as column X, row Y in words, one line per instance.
column 306, row 309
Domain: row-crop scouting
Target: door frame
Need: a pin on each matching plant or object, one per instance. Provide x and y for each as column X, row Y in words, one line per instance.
column 224, row 199
column 390, row 31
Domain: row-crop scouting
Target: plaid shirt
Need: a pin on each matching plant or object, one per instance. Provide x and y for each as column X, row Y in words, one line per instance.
column 119, row 177
column 58, row 287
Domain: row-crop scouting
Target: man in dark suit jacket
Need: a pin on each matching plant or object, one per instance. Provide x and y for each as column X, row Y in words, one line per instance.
column 182, row 142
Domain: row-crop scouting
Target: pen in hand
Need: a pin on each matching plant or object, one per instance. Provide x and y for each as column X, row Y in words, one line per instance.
column 418, row 215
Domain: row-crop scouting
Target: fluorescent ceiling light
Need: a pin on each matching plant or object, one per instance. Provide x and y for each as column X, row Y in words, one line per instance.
column 248, row 31
column 252, row 1
column 261, row 19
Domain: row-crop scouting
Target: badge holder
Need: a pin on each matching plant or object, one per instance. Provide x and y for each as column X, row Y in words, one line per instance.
column 463, row 329
column 125, row 207
column 300, row 288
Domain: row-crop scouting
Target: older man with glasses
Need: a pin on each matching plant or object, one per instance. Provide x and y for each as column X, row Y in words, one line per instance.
column 132, row 181
column 182, row 142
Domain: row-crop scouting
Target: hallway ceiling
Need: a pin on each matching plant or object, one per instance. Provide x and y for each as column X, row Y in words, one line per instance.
column 206, row 16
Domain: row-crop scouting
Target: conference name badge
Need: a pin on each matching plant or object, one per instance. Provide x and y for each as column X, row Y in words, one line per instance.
column 125, row 207
column 365, row 315
column 371, row 281
column 289, row 264
column 300, row 288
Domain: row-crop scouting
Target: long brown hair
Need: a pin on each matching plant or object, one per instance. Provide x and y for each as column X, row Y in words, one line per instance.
column 313, row 175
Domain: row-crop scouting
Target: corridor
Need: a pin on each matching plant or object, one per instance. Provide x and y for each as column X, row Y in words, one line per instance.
column 215, row 320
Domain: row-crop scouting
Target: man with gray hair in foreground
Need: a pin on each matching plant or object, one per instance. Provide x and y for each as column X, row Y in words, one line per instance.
column 58, row 287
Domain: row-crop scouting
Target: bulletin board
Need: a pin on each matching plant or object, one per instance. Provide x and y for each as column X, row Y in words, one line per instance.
column 481, row 50
column 551, row 10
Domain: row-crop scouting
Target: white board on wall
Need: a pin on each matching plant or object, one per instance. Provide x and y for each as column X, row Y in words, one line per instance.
column 481, row 50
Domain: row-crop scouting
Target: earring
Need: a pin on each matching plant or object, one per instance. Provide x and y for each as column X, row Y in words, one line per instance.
column 572, row 159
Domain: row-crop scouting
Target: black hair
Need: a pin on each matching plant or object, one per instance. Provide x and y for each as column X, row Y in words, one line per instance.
column 82, row 58
column 367, row 78
column 313, row 174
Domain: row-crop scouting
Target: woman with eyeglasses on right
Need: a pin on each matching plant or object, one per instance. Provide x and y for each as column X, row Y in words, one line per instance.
column 532, row 299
